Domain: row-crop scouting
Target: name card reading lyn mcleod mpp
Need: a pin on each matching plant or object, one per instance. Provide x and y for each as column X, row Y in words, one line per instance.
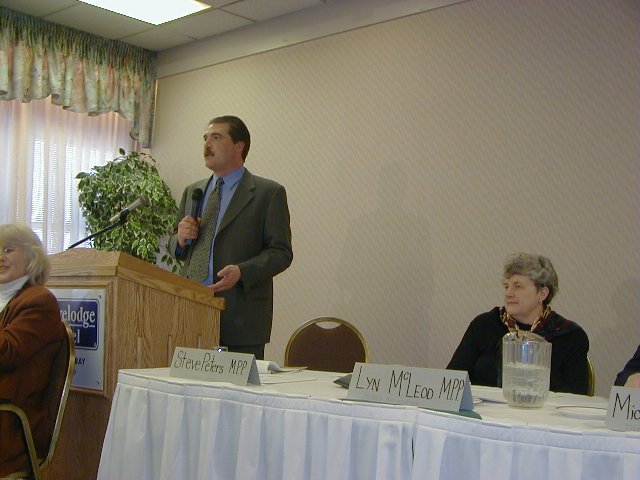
column 422, row 387
column 624, row 409
column 214, row 366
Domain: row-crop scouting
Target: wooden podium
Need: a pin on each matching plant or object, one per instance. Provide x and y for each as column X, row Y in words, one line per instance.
column 147, row 313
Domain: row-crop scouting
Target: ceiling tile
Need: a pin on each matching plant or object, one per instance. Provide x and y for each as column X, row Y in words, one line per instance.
column 38, row 8
column 218, row 3
column 206, row 24
column 260, row 10
column 159, row 38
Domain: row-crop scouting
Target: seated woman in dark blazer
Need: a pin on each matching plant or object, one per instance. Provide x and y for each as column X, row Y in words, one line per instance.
column 630, row 374
column 31, row 334
column 530, row 283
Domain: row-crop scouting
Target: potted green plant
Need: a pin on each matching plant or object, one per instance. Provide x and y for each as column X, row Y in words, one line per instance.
column 108, row 189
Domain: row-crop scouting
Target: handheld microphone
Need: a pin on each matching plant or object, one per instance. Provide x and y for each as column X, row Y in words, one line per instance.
column 196, row 200
column 140, row 202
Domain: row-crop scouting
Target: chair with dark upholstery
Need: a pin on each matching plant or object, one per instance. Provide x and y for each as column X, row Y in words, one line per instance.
column 326, row 344
column 56, row 395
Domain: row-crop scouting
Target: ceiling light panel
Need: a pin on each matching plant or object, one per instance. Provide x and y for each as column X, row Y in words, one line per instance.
column 151, row 11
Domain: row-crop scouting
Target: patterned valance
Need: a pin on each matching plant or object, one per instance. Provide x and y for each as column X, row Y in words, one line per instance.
column 82, row 72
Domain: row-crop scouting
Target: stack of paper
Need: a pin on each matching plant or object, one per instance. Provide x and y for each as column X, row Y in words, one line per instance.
column 268, row 366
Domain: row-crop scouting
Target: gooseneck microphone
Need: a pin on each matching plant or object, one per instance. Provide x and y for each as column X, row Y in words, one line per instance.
column 116, row 220
column 196, row 200
column 140, row 202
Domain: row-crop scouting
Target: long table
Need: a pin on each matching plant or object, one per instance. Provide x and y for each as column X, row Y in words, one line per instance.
column 298, row 426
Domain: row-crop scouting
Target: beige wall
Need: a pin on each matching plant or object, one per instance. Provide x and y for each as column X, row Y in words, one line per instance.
column 419, row 152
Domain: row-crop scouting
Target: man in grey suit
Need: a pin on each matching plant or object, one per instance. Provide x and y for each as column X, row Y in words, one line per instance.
column 244, row 233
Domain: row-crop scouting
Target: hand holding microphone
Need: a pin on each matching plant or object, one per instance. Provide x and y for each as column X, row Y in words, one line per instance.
column 188, row 226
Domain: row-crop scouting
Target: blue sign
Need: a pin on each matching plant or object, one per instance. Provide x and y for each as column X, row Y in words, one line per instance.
column 83, row 310
column 82, row 316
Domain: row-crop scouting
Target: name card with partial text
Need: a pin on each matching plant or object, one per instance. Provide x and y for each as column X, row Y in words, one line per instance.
column 436, row 389
column 624, row 409
column 214, row 366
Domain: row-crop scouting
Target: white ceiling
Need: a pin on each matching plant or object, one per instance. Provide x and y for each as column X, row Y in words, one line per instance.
column 226, row 16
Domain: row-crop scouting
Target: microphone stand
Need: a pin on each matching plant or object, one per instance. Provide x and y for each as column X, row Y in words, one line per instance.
column 121, row 221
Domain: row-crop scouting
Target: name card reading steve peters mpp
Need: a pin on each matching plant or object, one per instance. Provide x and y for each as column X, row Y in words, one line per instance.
column 624, row 409
column 421, row 387
column 214, row 366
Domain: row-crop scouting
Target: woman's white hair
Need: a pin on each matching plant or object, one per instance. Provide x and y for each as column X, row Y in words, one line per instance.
column 38, row 265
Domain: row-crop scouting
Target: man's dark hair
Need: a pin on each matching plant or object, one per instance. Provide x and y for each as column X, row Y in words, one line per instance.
column 238, row 131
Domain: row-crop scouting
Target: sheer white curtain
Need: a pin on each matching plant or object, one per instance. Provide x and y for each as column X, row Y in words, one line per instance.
column 42, row 149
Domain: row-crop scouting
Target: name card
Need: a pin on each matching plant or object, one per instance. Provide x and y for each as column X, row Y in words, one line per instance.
column 214, row 366
column 436, row 389
column 624, row 409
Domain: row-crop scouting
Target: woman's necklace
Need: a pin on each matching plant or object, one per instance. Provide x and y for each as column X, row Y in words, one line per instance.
column 512, row 324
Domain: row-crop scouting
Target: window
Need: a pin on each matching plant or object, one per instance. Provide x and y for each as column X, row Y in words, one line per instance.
column 42, row 149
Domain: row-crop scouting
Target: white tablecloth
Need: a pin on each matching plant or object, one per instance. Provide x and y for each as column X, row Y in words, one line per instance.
column 166, row 428
column 513, row 443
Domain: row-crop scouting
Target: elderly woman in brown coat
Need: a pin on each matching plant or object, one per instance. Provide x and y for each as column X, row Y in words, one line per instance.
column 31, row 333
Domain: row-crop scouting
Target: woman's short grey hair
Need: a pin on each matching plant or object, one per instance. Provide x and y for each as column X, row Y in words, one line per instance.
column 537, row 268
column 38, row 265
